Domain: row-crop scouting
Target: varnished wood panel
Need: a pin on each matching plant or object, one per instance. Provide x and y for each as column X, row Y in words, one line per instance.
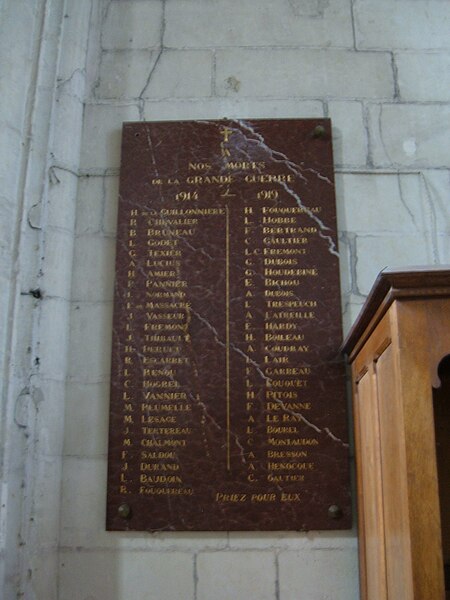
column 372, row 501
column 358, row 411
column 393, row 462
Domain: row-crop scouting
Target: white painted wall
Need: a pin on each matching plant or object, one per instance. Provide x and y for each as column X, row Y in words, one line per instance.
column 70, row 72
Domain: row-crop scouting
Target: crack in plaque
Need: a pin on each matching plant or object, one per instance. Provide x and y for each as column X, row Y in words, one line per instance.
column 297, row 170
column 152, row 153
column 257, row 367
column 277, row 157
column 195, row 250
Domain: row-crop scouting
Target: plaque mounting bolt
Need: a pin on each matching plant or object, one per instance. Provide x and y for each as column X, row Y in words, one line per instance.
column 319, row 131
column 334, row 512
column 124, row 511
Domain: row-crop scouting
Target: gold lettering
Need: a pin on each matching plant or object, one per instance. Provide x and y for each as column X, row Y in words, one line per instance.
column 269, row 497
column 285, row 497
column 285, row 478
column 200, row 166
column 245, row 166
column 225, row 497
column 269, row 178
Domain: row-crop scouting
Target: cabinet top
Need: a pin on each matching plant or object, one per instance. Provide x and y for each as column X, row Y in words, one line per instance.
column 392, row 284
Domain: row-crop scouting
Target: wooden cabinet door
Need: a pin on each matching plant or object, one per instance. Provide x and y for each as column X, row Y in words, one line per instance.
column 399, row 524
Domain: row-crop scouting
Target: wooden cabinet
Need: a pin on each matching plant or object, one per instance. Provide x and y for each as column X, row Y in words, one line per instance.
column 395, row 348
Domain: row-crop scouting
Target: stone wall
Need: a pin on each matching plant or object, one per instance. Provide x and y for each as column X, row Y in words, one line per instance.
column 75, row 70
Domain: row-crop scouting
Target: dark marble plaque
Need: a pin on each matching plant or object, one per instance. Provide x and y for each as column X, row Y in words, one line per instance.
column 228, row 408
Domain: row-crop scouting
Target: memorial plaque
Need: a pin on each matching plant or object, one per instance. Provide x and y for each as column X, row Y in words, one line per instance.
column 228, row 408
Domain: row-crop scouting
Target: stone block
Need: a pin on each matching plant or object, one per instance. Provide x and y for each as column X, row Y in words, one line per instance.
column 410, row 135
column 111, row 203
column 83, row 500
column 180, row 74
column 7, row 218
column 124, row 74
column 102, row 131
column 90, row 202
column 75, row 34
column 352, row 308
column 5, row 282
column 11, row 153
column 435, row 193
column 46, row 479
column 87, row 409
column 17, row 338
column 136, row 24
column 231, row 108
column 350, row 144
column 433, row 188
column 93, row 270
column 376, row 204
column 376, row 252
column 68, row 119
column 345, row 264
column 423, row 77
column 402, row 24
column 57, row 264
column 319, row 575
column 44, row 566
column 90, row 355
column 295, row 540
column 13, row 100
column 304, row 73
column 136, row 575
column 17, row 30
column 202, row 23
column 53, row 338
column 443, row 249
column 238, row 575
column 47, row 398
column 62, row 199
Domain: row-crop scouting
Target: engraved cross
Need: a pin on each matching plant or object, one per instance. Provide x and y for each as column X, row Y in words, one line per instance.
column 226, row 132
